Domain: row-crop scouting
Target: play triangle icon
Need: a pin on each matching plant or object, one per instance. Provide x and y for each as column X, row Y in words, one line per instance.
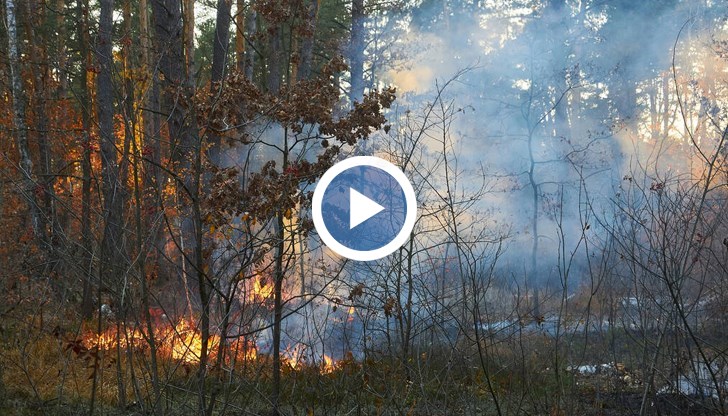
column 361, row 208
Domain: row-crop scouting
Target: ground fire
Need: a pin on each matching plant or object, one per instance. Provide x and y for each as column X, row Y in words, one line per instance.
column 183, row 342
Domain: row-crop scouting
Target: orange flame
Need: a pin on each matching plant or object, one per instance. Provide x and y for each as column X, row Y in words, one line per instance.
column 292, row 356
column 187, row 343
column 183, row 342
column 261, row 289
column 328, row 365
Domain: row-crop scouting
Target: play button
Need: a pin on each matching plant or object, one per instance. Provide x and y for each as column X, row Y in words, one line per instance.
column 364, row 208
column 361, row 208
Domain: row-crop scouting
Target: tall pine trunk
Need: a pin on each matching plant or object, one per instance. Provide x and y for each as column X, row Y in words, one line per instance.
column 174, row 105
column 85, row 104
column 304, row 70
column 151, row 126
column 275, row 58
column 219, row 63
column 356, row 51
column 178, row 77
column 35, row 19
column 188, row 34
column 112, row 243
column 29, row 184
column 112, row 188
column 221, row 41
column 240, row 35
column 251, row 28
column 148, row 193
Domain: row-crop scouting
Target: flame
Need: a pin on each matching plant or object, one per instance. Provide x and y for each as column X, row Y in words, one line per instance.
column 108, row 340
column 245, row 348
column 293, row 355
column 328, row 365
column 295, row 358
column 183, row 342
column 187, row 343
column 261, row 289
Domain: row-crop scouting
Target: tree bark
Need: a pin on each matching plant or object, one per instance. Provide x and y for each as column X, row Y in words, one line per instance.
column 251, row 28
column 275, row 59
column 278, row 311
column 219, row 63
column 356, row 51
column 61, row 53
column 304, row 70
column 186, row 152
column 112, row 188
column 188, row 10
column 181, row 123
column 85, row 102
column 35, row 18
column 150, row 183
column 279, row 274
column 29, row 184
column 240, row 35
column 152, row 148
column 222, row 40
column 170, row 50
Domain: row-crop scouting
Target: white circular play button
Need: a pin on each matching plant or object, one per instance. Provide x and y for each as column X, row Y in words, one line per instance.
column 364, row 208
column 361, row 208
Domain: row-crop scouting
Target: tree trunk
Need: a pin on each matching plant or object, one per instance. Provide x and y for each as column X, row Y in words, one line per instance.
column 152, row 149
column 188, row 34
column 278, row 312
column 304, row 70
column 61, row 53
column 112, row 188
column 222, row 40
column 251, row 28
column 275, row 59
column 150, row 183
column 130, row 122
column 356, row 51
column 36, row 18
column 240, row 35
column 186, row 152
column 219, row 62
column 85, row 103
column 278, row 289
column 175, row 104
column 29, row 184
column 170, row 49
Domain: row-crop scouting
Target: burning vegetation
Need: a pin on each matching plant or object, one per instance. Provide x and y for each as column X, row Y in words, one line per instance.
column 183, row 342
column 157, row 168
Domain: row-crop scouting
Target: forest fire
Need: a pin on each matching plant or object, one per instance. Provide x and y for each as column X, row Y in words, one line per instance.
column 296, row 358
column 328, row 365
column 186, row 343
column 170, row 172
column 183, row 342
column 261, row 289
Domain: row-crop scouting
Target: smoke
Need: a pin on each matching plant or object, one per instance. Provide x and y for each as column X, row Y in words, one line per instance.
column 556, row 95
column 567, row 98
